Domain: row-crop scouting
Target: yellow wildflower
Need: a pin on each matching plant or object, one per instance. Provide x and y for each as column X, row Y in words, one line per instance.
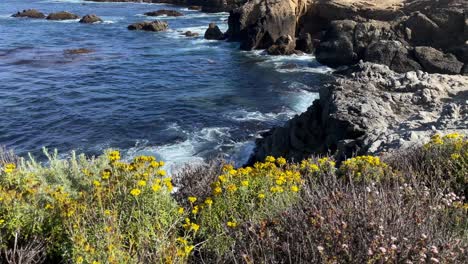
column 455, row 156
column 181, row 210
column 2, row 221
column 232, row 188
column 96, row 183
column 194, row 227
column 114, row 155
column 281, row 161
column 161, row 172
column 294, row 188
column 161, row 163
column 106, row 175
column 195, row 209
column 135, row 192
column 270, row 159
column 231, row 224
column 154, row 164
column 107, row 212
column 192, row 199
column 141, row 183
column 156, row 187
column 208, row 201
column 9, row 168
column 218, row 190
column 261, row 196
column 79, row 260
column 245, row 183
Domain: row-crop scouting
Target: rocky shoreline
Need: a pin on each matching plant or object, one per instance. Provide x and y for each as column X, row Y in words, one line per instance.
column 402, row 77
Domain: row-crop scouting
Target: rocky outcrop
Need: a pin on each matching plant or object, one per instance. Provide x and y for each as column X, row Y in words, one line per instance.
column 90, row 19
column 29, row 13
column 435, row 61
column 164, row 12
column 77, row 51
column 371, row 109
column 350, row 31
column 214, row 33
column 284, row 45
column 63, row 15
column 149, row 26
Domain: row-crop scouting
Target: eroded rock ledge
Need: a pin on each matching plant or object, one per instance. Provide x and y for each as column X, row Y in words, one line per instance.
column 372, row 109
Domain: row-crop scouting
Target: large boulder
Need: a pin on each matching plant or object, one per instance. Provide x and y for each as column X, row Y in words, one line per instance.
column 164, row 12
column 392, row 54
column 434, row 61
column 30, row 13
column 149, row 26
column 90, row 19
column 63, row 15
column 214, row 33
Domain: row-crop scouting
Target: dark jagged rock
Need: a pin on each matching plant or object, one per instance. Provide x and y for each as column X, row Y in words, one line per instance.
column 392, row 54
column 434, row 61
column 305, row 43
column 368, row 110
column 30, row 13
column 149, row 26
column 214, row 33
column 90, row 19
column 163, row 12
column 63, row 15
column 284, row 45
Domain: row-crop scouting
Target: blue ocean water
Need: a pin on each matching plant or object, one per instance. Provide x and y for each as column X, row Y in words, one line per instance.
column 182, row 99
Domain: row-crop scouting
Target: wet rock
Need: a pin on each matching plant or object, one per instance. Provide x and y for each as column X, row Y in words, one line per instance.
column 191, row 34
column 64, row 15
column 149, row 26
column 196, row 8
column 163, row 12
column 434, row 61
column 214, row 33
column 304, row 43
column 30, row 13
column 90, row 19
column 284, row 45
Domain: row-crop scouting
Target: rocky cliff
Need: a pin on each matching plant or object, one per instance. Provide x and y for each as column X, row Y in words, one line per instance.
column 372, row 109
column 395, row 33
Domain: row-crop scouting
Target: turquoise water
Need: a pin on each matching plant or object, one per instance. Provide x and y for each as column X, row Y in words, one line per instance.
column 182, row 99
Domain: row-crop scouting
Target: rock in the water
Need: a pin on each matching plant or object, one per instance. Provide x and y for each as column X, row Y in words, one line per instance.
column 77, row 51
column 164, row 12
column 214, row 33
column 64, row 15
column 434, row 61
column 284, row 45
column 304, row 43
column 368, row 110
column 89, row 19
column 149, row 26
column 191, row 34
column 196, row 8
column 30, row 13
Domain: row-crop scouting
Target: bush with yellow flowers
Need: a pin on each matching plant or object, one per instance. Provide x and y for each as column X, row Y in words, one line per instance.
column 98, row 210
column 240, row 195
column 364, row 169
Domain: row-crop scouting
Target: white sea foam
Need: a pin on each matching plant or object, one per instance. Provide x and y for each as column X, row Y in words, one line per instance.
column 244, row 115
column 192, row 150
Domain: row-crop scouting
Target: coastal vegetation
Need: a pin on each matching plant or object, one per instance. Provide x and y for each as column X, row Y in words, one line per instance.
column 404, row 207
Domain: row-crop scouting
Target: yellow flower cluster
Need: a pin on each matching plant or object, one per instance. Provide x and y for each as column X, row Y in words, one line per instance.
column 364, row 168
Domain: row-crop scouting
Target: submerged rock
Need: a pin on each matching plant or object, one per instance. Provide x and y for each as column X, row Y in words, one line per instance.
column 30, row 13
column 156, row 25
column 163, row 12
column 64, row 15
column 77, row 51
column 191, row 34
column 283, row 46
column 214, row 33
column 196, row 8
column 90, row 19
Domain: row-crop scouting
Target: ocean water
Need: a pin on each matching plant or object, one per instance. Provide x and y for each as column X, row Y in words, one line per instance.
column 181, row 99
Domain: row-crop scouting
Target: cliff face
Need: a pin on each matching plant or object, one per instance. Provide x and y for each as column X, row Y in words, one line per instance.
column 371, row 109
column 346, row 31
